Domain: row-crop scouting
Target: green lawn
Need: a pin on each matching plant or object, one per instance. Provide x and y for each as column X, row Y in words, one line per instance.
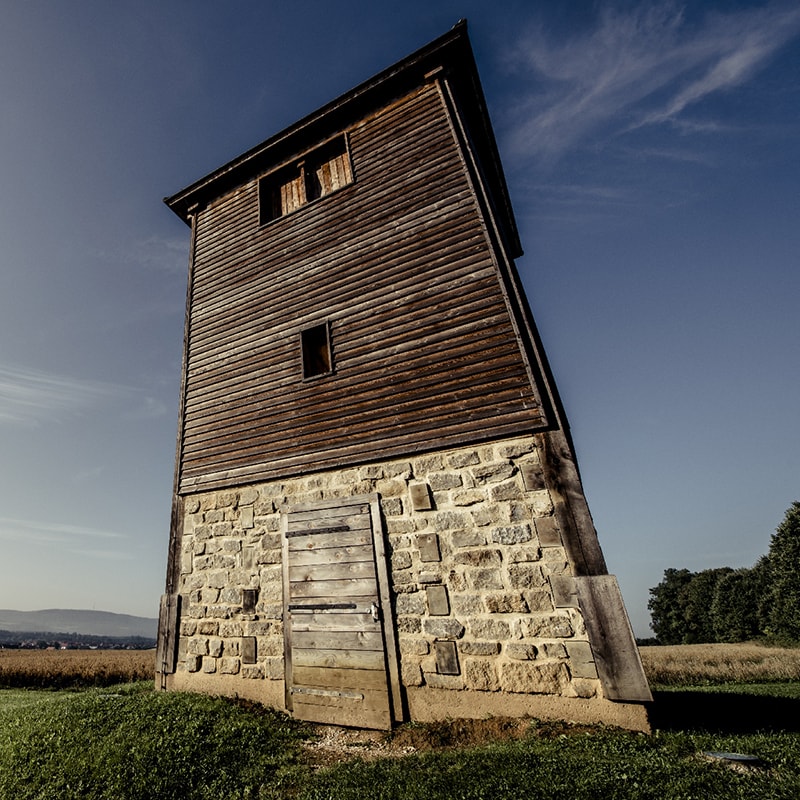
column 132, row 742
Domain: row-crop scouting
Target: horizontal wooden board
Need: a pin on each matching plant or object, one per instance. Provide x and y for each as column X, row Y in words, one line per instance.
column 338, row 659
column 364, row 679
column 331, row 572
column 339, row 589
column 326, row 541
column 353, row 714
column 338, row 640
column 358, row 619
column 331, row 555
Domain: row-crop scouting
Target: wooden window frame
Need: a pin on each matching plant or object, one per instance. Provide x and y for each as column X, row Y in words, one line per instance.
column 303, row 172
column 310, row 341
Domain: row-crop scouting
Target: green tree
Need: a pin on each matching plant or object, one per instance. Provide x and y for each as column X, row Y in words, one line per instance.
column 784, row 577
column 736, row 603
column 696, row 599
column 666, row 606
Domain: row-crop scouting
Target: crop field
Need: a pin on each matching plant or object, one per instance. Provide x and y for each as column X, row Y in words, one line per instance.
column 64, row 669
column 692, row 664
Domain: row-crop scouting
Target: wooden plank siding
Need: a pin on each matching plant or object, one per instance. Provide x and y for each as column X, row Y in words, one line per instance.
column 400, row 266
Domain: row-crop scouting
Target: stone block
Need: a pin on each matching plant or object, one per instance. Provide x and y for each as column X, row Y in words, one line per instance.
column 209, row 664
column 526, row 576
column 208, row 627
column 538, row 600
column 410, row 603
column 247, row 517
column 441, row 481
column 548, row 532
column 584, row 688
column 521, row 652
column 505, row 603
column 469, row 537
column 493, row 629
column 230, row 628
column 485, row 579
column 410, row 673
column 481, row 674
column 531, row 677
column 511, row 534
column 213, row 517
column 479, row 648
column 416, row 647
column 492, row 472
column 467, row 605
column 425, row 464
column 215, row 647
column 451, row 520
column 509, row 490
column 532, row 476
column 565, row 595
column 409, row 625
column 392, row 506
column 438, row 604
column 553, row 650
column 191, row 505
column 456, row 580
column 193, row 663
column 253, row 671
column 520, row 555
column 432, row 576
column 444, row 628
column 393, row 487
column 581, row 660
column 463, row 458
column 478, row 558
column 229, row 666
column 401, row 560
column 541, row 503
column 468, row 497
column 547, row 627
column 428, row 546
column 522, row 447
column 198, row 647
column 437, row 681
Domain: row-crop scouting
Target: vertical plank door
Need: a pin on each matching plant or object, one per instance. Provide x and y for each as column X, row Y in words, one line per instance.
column 341, row 666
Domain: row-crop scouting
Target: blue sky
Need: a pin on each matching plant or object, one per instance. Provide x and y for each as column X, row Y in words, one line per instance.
column 652, row 151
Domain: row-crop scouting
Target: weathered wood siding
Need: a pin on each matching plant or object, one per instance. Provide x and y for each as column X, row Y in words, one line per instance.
column 424, row 349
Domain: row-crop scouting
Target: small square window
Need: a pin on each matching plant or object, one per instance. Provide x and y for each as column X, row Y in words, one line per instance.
column 316, row 346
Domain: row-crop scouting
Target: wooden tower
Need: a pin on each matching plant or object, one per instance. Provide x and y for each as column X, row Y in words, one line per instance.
column 377, row 512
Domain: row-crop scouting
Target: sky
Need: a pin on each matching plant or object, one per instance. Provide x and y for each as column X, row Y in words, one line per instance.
column 652, row 151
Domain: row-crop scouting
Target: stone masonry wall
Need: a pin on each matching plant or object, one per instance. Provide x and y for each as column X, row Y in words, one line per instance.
column 475, row 557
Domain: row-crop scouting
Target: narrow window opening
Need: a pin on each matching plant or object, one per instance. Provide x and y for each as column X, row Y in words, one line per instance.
column 316, row 346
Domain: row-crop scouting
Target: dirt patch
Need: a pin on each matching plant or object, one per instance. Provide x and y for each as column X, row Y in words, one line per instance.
column 329, row 744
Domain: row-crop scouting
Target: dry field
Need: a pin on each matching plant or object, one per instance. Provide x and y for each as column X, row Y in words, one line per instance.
column 748, row 662
column 674, row 665
column 61, row 669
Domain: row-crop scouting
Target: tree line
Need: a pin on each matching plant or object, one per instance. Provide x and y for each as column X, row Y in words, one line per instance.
column 734, row 605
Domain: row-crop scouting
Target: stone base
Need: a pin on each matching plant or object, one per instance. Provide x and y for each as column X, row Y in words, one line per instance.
column 433, row 705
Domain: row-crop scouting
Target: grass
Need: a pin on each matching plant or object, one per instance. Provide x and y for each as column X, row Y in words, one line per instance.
column 130, row 743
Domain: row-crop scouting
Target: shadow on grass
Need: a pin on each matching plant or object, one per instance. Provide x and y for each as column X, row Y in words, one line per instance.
column 689, row 710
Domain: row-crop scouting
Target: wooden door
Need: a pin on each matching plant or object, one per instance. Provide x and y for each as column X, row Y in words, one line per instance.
column 341, row 664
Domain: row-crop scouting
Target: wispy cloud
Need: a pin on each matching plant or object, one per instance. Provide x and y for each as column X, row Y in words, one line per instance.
column 30, row 397
column 77, row 539
column 641, row 66
column 50, row 532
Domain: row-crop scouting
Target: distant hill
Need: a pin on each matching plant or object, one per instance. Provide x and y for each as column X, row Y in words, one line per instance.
column 89, row 623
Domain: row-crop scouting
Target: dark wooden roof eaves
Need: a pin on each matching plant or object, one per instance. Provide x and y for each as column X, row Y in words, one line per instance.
column 451, row 53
